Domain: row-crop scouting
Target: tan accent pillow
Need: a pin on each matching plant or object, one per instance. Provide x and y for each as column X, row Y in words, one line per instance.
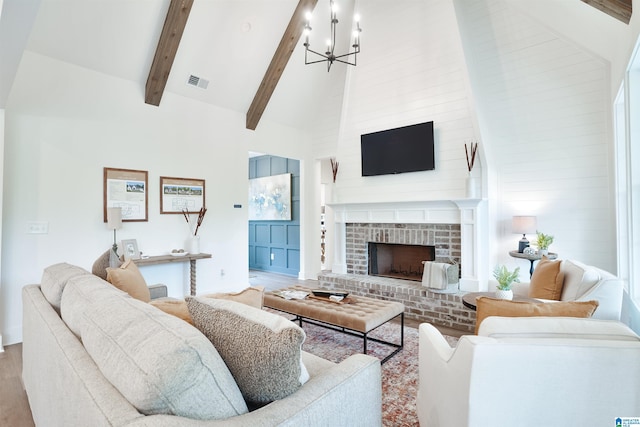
column 486, row 307
column 253, row 296
column 176, row 308
column 547, row 280
column 262, row 350
column 128, row 278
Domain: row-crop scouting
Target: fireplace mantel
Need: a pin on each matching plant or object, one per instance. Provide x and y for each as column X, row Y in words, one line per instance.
column 469, row 213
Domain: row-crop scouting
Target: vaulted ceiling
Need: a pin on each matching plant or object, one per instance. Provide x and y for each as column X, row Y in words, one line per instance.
column 241, row 47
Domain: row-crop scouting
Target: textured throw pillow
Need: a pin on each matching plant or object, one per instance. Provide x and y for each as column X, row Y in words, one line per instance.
column 486, row 307
column 106, row 260
column 261, row 349
column 128, row 278
column 159, row 363
column 547, row 280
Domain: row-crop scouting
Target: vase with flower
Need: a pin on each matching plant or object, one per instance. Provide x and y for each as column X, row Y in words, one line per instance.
column 471, row 185
column 193, row 244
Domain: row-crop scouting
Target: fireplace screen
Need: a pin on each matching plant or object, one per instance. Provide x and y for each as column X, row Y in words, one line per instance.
column 399, row 261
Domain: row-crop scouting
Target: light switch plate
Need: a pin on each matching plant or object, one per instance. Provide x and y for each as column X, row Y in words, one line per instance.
column 37, row 227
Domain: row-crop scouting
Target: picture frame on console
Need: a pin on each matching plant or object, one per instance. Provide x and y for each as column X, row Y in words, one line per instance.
column 130, row 249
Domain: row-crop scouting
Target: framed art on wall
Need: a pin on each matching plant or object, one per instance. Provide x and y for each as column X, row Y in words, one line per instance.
column 180, row 194
column 126, row 189
column 270, row 198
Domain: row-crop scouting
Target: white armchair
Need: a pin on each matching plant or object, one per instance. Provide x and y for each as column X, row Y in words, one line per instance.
column 530, row 371
column 584, row 283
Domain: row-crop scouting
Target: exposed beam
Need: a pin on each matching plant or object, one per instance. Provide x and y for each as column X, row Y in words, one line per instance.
column 280, row 59
column 619, row 9
column 174, row 24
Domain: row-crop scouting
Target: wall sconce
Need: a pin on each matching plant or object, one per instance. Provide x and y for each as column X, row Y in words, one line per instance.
column 523, row 225
column 114, row 222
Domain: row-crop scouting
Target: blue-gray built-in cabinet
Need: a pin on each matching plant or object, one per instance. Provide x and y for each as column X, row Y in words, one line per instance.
column 275, row 245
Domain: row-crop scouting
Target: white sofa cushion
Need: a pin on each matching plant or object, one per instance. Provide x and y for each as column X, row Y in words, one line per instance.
column 159, row 363
column 578, row 279
column 79, row 293
column 55, row 278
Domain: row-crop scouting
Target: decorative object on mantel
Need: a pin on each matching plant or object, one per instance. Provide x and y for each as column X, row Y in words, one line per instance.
column 543, row 242
column 471, row 159
column 194, row 240
column 505, row 279
column 523, row 225
column 329, row 56
column 334, row 168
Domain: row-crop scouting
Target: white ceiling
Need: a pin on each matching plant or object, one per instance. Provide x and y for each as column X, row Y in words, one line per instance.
column 228, row 42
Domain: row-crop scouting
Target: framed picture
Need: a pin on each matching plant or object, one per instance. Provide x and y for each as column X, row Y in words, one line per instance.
column 270, row 198
column 130, row 249
column 178, row 194
column 126, row 189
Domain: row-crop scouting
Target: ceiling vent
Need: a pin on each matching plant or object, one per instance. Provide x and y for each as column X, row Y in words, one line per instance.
column 197, row 82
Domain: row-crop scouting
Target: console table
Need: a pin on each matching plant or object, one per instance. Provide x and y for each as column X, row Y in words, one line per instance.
column 164, row 259
column 532, row 258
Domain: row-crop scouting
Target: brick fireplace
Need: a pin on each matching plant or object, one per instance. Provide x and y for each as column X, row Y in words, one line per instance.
column 451, row 227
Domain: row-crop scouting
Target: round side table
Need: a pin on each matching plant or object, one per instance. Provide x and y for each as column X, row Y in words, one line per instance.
column 532, row 258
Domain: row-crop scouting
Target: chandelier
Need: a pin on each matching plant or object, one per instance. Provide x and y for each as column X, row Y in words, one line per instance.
column 329, row 56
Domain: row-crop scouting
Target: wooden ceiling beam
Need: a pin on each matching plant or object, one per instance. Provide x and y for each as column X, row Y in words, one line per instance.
column 279, row 61
column 174, row 25
column 619, row 9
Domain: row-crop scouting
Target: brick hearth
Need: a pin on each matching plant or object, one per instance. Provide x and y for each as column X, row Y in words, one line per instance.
column 420, row 303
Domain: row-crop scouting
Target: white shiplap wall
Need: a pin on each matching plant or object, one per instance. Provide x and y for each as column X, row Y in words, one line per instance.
column 543, row 109
column 411, row 71
column 482, row 69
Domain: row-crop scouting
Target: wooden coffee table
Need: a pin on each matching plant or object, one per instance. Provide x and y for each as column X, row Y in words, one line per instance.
column 469, row 300
column 359, row 317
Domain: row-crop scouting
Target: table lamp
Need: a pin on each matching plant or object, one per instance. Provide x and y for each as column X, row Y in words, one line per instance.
column 524, row 225
column 114, row 222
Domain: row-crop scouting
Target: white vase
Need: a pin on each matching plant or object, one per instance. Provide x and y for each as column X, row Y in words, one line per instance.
column 193, row 245
column 502, row 294
column 471, row 188
column 543, row 252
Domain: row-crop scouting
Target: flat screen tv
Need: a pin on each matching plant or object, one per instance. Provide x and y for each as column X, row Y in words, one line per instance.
column 404, row 149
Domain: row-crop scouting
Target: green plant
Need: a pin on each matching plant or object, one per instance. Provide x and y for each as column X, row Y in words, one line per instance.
column 544, row 240
column 505, row 277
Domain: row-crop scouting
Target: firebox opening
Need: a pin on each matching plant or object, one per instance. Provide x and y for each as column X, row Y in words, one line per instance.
column 399, row 261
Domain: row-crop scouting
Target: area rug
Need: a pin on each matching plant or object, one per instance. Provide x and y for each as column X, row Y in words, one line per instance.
column 399, row 374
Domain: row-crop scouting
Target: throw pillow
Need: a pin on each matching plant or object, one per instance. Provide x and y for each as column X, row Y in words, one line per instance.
column 176, row 308
column 106, row 260
column 128, row 278
column 486, row 307
column 253, row 296
column 157, row 362
column 547, row 280
column 261, row 349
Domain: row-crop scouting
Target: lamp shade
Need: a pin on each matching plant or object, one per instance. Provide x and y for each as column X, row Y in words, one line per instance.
column 114, row 218
column 523, row 224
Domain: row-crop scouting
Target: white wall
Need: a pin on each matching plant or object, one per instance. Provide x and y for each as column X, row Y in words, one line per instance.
column 415, row 73
column 545, row 114
column 65, row 123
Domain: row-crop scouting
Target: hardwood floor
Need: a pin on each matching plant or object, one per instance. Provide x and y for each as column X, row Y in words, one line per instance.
column 14, row 405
